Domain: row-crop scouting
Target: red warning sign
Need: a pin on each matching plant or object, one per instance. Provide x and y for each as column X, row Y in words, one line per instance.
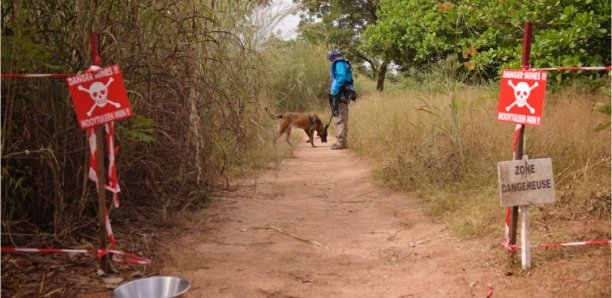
column 99, row 96
column 521, row 96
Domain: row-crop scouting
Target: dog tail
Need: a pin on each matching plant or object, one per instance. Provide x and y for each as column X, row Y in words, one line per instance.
column 274, row 116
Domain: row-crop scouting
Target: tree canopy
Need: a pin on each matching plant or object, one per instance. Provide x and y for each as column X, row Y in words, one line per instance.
column 486, row 35
column 340, row 24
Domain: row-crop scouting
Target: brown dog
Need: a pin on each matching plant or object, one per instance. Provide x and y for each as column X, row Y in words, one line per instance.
column 309, row 124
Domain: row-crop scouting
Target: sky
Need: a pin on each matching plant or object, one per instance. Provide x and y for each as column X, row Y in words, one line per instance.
column 287, row 24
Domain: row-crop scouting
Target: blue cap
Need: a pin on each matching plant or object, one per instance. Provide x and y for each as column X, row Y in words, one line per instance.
column 332, row 54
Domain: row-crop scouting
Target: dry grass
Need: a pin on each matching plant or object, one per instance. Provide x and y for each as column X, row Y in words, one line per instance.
column 444, row 145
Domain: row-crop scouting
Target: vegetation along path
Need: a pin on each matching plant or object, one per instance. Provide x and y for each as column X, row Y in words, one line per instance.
column 318, row 227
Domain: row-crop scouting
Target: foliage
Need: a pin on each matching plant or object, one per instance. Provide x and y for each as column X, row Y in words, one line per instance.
column 487, row 35
column 426, row 36
column 339, row 24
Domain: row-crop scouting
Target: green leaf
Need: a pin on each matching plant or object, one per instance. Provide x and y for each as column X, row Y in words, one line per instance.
column 140, row 129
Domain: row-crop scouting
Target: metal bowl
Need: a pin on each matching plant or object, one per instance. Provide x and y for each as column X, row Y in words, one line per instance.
column 153, row 287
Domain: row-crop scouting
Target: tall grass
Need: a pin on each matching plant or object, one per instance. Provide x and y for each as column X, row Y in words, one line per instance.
column 443, row 142
column 297, row 76
column 193, row 76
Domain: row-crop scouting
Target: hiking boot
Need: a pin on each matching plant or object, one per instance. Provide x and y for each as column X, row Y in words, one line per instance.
column 338, row 146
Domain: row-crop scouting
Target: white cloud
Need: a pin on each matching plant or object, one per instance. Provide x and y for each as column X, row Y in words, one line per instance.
column 288, row 24
column 278, row 18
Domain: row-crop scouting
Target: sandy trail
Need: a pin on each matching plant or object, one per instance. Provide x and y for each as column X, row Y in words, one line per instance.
column 318, row 227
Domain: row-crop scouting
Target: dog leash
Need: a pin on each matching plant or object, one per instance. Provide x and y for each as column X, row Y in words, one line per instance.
column 329, row 122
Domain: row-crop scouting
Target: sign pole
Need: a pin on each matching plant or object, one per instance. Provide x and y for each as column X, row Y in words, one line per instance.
column 525, row 243
column 105, row 263
column 520, row 130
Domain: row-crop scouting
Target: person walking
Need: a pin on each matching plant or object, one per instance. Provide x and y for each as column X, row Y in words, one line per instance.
column 342, row 90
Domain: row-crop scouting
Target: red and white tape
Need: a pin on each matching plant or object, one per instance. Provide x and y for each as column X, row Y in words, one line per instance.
column 574, row 68
column 93, row 175
column 489, row 291
column 113, row 180
column 109, row 231
column 507, row 226
column 93, row 159
column 66, row 75
column 514, row 247
column 118, row 256
column 36, row 75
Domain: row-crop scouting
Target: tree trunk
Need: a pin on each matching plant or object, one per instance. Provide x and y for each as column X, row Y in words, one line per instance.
column 382, row 73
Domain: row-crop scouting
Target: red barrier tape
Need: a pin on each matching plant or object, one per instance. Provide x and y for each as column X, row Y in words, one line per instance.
column 118, row 256
column 575, row 68
column 515, row 247
column 113, row 179
column 66, row 75
column 507, row 227
column 35, row 75
column 93, row 175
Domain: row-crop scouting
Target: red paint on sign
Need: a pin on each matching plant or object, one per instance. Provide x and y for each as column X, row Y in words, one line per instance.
column 521, row 96
column 99, row 96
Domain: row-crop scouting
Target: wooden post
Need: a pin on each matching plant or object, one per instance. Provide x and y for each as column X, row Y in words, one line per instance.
column 525, row 243
column 105, row 261
column 518, row 146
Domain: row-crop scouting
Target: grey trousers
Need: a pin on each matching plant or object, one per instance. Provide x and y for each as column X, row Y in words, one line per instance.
column 341, row 123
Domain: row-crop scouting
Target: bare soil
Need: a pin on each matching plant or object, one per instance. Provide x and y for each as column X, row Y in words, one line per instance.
column 318, row 227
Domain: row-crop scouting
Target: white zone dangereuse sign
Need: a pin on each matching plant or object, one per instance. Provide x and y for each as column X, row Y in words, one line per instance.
column 526, row 182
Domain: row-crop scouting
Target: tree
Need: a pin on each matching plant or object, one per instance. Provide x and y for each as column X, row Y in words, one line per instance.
column 340, row 24
column 411, row 33
column 486, row 35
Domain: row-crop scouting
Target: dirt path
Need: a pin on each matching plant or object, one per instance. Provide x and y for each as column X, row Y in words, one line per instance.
column 319, row 228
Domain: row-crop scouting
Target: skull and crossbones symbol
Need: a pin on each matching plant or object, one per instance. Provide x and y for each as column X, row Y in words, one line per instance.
column 98, row 92
column 522, row 91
